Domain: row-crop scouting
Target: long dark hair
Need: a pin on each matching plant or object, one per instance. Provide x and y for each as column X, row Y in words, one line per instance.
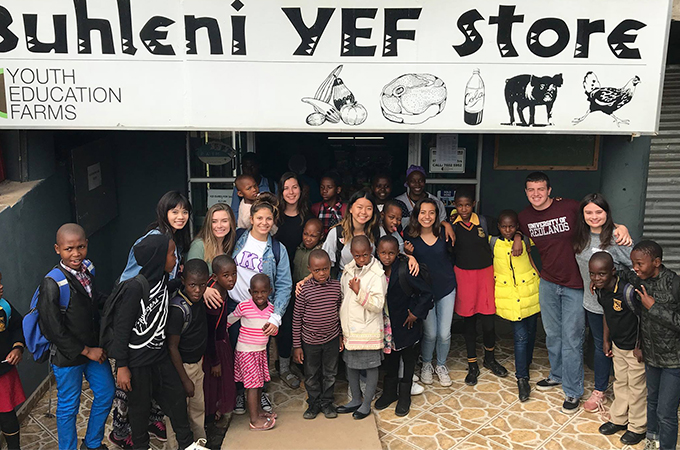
column 582, row 235
column 167, row 202
column 303, row 201
column 414, row 227
column 372, row 227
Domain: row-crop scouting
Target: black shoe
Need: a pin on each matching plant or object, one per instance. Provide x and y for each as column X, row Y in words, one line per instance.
column 524, row 389
column 329, row 411
column 157, row 430
column 312, row 411
column 85, row 447
column 630, row 438
column 547, row 384
column 359, row 415
column 389, row 394
column 346, row 409
column 404, row 403
column 609, row 428
column 125, row 443
column 496, row 368
column 473, row 373
column 570, row 405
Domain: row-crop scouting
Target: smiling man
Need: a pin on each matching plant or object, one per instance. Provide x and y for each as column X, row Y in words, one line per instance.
column 415, row 184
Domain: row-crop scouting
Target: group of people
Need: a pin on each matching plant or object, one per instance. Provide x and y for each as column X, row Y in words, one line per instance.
column 375, row 279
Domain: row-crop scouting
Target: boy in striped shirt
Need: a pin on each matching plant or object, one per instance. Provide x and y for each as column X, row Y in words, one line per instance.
column 316, row 334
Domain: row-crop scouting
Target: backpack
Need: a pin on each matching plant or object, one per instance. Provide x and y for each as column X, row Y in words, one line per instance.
column 4, row 305
column 404, row 274
column 495, row 239
column 36, row 342
column 106, row 328
column 630, row 299
column 179, row 302
column 276, row 245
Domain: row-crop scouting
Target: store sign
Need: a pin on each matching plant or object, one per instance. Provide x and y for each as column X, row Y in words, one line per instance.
column 534, row 66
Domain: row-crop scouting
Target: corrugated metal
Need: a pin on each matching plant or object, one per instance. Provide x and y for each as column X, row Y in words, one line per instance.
column 662, row 210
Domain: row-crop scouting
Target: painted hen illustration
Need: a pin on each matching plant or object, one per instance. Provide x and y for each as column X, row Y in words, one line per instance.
column 607, row 99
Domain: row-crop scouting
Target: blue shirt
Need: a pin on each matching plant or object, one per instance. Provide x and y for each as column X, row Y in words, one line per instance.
column 438, row 261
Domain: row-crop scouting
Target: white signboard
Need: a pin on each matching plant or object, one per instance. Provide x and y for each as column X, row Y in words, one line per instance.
column 219, row 196
column 536, row 66
column 449, row 160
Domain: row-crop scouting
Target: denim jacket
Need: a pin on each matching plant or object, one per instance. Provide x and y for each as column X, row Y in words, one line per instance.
column 279, row 275
column 132, row 268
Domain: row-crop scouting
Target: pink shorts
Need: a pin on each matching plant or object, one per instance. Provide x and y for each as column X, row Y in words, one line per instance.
column 251, row 369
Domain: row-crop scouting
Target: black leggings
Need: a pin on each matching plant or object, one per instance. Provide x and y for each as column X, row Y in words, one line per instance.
column 409, row 355
column 10, row 428
column 470, row 333
column 284, row 339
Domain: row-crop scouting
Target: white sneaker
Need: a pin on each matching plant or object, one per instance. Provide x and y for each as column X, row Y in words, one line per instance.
column 417, row 389
column 426, row 373
column 443, row 374
column 416, row 378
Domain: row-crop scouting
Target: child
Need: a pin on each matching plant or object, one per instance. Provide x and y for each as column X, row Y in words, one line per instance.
column 391, row 221
column 516, row 292
column 659, row 290
column 316, row 335
column 381, row 186
column 144, row 370
column 621, row 326
column 11, row 352
column 331, row 210
column 247, row 190
column 363, row 290
column 474, row 275
column 74, row 336
column 218, row 363
column 409, row 299
column 250, row 365
column 187, row 339
column 311, row 240
column 250, row 165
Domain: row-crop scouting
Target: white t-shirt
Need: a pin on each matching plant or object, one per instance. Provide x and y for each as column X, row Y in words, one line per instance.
column 248, row 264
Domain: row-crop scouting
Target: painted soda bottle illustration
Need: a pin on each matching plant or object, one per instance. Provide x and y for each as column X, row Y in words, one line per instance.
column 474, row 99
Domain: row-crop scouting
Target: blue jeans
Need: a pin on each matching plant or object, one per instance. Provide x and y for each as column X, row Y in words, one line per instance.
column 69, row 386
column 437, row 329
column 602, row 364
column 524, row 332
column 564, row 322
column 662, row 410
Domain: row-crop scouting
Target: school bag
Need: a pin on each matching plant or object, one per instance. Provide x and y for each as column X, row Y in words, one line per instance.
column 36, row 342
column 629, row 298
column 4, row 305
column 106, row 328
column 404, row 274
column 181, row 303
column 276, row 245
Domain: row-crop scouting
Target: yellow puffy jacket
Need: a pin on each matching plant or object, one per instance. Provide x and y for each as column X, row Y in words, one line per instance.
column 516, row 282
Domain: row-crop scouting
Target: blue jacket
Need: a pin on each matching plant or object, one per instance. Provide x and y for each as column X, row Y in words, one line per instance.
column 132, row 268
column 279, row 275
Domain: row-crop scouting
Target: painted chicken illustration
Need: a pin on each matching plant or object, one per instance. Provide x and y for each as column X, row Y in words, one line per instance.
column 607, row 99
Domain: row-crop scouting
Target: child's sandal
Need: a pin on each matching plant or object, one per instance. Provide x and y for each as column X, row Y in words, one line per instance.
column 268, row 425
column 271, row 415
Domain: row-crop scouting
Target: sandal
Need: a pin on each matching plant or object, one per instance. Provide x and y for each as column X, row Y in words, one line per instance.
column 291, row 380
column 268, row 425
column 271, row 415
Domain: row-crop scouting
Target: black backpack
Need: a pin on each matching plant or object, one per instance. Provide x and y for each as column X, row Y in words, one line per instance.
column 404, row 274
column 106, row 332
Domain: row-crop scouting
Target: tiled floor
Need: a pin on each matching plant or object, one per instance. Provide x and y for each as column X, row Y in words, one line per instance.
column 486, row 416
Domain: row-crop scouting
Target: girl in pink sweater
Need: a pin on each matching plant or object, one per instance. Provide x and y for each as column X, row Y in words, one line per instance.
column 250, row 366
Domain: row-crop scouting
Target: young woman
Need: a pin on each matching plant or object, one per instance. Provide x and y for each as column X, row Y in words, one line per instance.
column 256, row 251
column 217, row 237
column 172, row 215
column 595, row 233
column 425, row 240
column 294, row 200
column 362, row 218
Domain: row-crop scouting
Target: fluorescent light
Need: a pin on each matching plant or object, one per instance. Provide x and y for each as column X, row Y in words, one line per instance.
column 350, row 138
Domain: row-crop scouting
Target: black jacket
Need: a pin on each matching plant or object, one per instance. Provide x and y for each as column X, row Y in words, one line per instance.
column 399, row 304
column 77, row 327
column 661, row 323
column 10, row 334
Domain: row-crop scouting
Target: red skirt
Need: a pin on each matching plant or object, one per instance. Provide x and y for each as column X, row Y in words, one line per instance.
column 475, row 292
column 251, row 369
column 12, row 391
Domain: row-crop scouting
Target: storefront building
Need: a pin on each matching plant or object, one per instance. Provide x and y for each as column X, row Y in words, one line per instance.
column 107, row 105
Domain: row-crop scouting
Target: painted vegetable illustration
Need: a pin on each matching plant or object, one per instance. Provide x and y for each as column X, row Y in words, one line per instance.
column 334, row 102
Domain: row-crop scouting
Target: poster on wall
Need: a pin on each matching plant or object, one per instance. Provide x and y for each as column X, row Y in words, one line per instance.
column 483, row 66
